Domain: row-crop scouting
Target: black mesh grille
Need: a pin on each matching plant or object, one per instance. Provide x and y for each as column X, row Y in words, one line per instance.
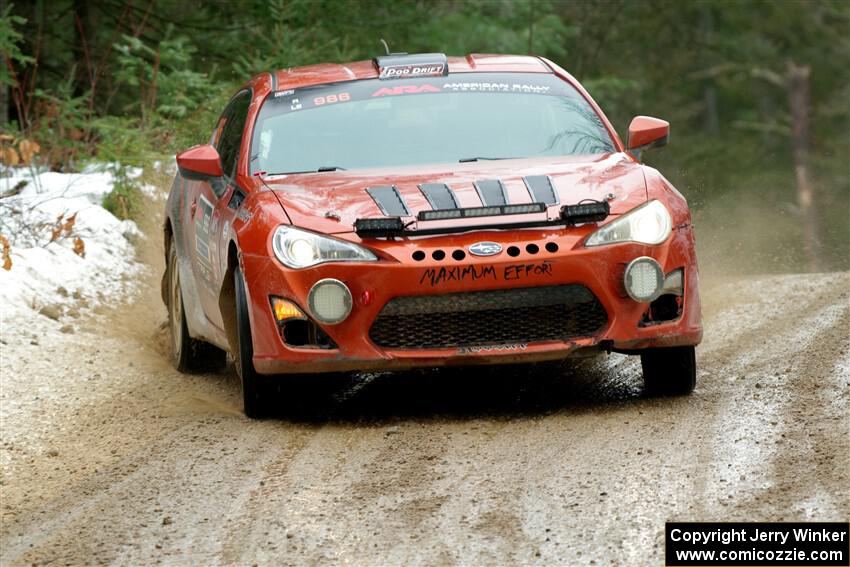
column 506, row 316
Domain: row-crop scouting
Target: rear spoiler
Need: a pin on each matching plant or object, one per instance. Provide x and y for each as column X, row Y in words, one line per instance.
column 389, row 227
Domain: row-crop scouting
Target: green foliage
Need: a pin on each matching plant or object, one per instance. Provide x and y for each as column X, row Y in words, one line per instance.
column 172, row 105
column 126, row 200
column 121, row 140
column 62, row 124
column 167, row 85
column 10, row 37
column 284, row 41
column 138, row 88
column 503, row 26
column 719, row 73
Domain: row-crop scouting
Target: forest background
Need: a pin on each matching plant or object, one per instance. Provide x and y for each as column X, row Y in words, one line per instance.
column 757, row 92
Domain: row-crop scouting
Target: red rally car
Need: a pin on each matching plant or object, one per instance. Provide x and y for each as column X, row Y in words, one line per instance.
column 423, row 210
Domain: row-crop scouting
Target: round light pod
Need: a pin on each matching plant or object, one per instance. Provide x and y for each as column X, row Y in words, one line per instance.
column 643, row 279
column 330, row 301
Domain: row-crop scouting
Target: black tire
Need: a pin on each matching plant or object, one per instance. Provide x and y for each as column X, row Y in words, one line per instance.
column 669, row 371
column 257, row 393
column 187, row 354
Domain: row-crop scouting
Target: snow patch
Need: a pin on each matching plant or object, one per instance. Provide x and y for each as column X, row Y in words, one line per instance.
column 47, row 274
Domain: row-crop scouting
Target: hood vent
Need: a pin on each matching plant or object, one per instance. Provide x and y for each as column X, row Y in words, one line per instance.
column 492, row 192
column 540, row 187
column 389, row 200
column 439, row 196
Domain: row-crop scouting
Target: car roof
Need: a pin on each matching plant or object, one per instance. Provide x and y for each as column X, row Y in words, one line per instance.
column 297, row 77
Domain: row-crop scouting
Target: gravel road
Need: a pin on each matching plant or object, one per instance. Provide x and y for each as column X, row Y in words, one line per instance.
column 110, row 456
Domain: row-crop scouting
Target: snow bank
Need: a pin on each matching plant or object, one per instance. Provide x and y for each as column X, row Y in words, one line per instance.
column 48, row 278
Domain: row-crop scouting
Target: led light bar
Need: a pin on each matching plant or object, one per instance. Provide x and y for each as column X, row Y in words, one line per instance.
column 390, row 226
column 472, row 212
column 585, row 212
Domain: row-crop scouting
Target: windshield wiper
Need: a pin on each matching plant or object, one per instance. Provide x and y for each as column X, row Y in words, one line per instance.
column 469, row 159
column 321, row 169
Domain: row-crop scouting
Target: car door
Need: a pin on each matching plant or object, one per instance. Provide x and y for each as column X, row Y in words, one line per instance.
column 211, row 215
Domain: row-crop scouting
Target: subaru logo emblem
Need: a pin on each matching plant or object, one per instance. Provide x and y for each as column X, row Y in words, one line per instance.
column 485, row 248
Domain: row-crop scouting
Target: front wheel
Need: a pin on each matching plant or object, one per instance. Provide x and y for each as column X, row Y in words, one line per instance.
column 256, row 389
column 669, row 371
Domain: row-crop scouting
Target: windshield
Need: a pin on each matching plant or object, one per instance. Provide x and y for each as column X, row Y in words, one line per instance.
column 461, row 117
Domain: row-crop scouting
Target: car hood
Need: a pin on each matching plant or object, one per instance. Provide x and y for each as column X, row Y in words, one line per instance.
column 330, row 202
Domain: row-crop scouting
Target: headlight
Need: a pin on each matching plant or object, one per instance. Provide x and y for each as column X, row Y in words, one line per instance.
column 297, row 248
column 648, row 224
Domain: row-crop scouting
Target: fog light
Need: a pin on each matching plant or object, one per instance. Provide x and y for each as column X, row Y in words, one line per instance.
column 330, row 301
column 643, row 279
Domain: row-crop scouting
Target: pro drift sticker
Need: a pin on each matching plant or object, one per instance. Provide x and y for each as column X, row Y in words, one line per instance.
column 405, row 71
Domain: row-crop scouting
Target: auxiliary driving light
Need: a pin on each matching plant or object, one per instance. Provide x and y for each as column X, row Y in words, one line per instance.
column 330, row 301
column 643, row 279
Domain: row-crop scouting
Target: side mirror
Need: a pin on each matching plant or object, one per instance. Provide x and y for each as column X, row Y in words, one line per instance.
column 200, row 163
column 647, row 132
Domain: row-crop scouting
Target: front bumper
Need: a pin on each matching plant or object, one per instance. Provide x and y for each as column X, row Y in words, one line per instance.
column 599, row 269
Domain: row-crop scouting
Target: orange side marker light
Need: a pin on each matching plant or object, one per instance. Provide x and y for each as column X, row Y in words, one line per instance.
column 284, row 310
